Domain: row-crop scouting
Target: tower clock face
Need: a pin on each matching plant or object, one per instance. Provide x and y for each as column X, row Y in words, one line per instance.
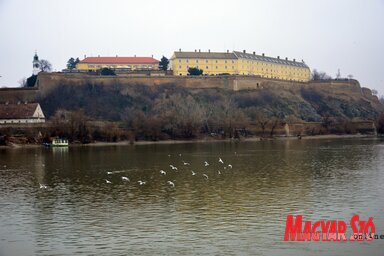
column 36, row 65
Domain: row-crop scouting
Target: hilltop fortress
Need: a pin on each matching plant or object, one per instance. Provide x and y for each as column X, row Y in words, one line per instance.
column 210, row 63
column 240, row 63
column 227, row 73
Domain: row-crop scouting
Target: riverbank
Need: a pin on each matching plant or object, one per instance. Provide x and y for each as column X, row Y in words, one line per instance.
column 206, row 140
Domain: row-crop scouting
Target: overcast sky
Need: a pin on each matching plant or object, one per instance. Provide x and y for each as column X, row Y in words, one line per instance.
column 328, row 34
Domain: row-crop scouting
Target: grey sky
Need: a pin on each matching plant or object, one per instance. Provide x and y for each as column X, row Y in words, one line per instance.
column 327, row 34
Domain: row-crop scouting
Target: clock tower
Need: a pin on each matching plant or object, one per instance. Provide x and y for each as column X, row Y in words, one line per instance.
column 36, row 64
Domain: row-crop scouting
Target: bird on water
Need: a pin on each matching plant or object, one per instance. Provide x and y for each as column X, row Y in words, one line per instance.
column 171, row 183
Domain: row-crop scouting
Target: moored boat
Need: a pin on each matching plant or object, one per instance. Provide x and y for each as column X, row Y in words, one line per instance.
column 59, row 143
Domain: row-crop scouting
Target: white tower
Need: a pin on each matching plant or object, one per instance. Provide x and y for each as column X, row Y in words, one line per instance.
column 36, row 64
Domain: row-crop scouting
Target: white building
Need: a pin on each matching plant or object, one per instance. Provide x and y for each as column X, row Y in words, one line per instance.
column 21, row 113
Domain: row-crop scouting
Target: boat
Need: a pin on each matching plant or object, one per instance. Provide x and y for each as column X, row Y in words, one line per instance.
column 59, row 143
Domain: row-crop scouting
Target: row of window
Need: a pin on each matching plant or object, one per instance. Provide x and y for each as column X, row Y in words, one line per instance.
column 206, row 61
column 266, row 76
column 120, row 66
column 258, row 71
column 243, row 61
column 300, row 70
column 206, row 67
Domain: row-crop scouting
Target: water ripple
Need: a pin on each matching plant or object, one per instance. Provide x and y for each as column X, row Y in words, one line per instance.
column 236, row 211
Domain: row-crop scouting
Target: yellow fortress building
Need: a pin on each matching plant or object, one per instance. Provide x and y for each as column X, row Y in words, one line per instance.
column 239, row 63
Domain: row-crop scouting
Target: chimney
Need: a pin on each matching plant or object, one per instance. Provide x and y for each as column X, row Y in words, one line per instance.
column 209, row 50
column 286, row 58
column 85, row 56
column 195, row 50
column 152, row 55
column 116, row 56
column 98, row 56
column 199, row 50
column 254, row 53
column 243, row 51
column 135, row 55
column 179, row 49
column 263, row 54
column 227, row 51
column 278, row 57
column 294, row 60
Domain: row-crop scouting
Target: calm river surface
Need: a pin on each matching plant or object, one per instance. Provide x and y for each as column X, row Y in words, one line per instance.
column 231, row 211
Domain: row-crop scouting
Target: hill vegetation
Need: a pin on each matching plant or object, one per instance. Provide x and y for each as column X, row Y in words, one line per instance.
column 141, row 112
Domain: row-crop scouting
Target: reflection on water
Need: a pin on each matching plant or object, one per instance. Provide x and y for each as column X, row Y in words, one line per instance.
column 239, row 210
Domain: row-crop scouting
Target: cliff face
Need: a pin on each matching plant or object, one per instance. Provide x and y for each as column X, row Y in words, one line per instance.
column 109, row 98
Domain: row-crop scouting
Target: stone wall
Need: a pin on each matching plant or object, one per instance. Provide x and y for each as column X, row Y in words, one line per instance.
column 47, row 81
column 14, row 95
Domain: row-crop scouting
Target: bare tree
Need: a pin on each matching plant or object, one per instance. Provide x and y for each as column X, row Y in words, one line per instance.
column 45, row 65
column 23, row 82
column 319, row 75
column 326, row 121
column 181, row 115
column 274, row 122
column 72, row 125
column 262, row 120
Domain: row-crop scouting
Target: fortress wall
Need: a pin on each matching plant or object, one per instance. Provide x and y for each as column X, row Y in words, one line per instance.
column 258, row 83
column 346, row 87
column 48, row 81
column 13, row 95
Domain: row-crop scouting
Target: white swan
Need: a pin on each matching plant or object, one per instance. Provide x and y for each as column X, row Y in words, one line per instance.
column 171, row 183
column 42, row 186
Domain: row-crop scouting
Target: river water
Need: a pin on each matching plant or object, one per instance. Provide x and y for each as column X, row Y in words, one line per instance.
column 228, row 211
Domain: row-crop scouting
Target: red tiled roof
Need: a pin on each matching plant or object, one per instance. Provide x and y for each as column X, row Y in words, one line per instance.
column 17, row 111
column 120, row 60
